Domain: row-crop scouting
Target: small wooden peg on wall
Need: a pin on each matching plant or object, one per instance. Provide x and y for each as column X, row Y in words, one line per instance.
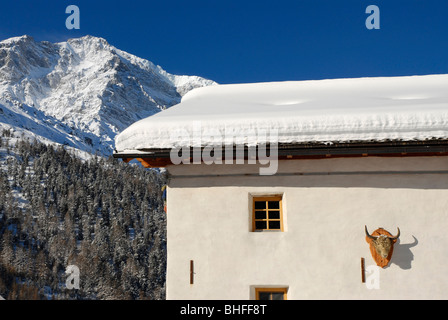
column 363, row 271
column 191, row 272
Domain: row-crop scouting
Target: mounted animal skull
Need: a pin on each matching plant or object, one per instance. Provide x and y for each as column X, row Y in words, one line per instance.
column 381, row 245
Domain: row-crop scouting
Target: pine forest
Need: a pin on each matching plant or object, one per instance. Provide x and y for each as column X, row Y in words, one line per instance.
column 104, row 216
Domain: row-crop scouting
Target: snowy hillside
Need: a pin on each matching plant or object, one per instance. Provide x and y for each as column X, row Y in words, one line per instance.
column 102, row 215
column 82, row 92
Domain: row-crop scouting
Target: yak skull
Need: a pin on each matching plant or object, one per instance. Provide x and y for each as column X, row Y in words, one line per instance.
column 382, row 243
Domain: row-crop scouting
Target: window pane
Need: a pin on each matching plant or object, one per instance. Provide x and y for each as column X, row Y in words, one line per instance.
column 267, row 213
column 260, row 214
column 260, row 225
column 274, row 214
column 260, row 204
column 264, row 296
column 274, row 204
column 277, row 295
column 274, row 224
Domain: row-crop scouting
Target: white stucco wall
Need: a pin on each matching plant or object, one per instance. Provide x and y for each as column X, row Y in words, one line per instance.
column 326, row 204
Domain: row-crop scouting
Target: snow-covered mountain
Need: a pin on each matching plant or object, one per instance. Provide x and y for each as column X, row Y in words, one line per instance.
column 82, row 92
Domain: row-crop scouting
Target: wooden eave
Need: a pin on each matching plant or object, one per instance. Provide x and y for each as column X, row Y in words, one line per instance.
column 159, row 158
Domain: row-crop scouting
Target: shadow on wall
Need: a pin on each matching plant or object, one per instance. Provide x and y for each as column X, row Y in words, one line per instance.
column 403, row 255
column 381, row 180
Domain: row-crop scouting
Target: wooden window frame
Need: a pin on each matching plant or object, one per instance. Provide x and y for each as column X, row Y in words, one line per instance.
column 276, row 290
column 278, row 198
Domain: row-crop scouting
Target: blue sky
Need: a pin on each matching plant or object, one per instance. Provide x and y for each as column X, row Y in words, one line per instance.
column 253, row 41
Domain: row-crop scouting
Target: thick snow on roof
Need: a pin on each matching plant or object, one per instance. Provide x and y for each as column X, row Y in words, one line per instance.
column 338, row 110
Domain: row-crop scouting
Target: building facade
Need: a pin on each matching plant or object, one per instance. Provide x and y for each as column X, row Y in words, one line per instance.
column 316, row 254
column 349, row 155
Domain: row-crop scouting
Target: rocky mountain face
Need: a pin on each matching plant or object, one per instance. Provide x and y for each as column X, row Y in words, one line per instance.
column 81, row 92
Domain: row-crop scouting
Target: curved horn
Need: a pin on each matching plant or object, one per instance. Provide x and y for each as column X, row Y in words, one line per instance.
column 396, row 237
column 368, row 235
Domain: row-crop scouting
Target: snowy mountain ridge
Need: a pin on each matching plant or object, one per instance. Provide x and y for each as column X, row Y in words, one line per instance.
column 81, row 92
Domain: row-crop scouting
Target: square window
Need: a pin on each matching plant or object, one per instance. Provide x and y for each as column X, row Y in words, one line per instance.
column 267, row 213
column 270, row 293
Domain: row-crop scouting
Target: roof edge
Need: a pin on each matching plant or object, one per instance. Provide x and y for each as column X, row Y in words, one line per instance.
column 436, row 147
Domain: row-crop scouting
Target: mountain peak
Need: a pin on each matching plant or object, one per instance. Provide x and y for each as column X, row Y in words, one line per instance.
column 89, row 37
column 85, row 89
column 19, row 39
column 89, row 40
